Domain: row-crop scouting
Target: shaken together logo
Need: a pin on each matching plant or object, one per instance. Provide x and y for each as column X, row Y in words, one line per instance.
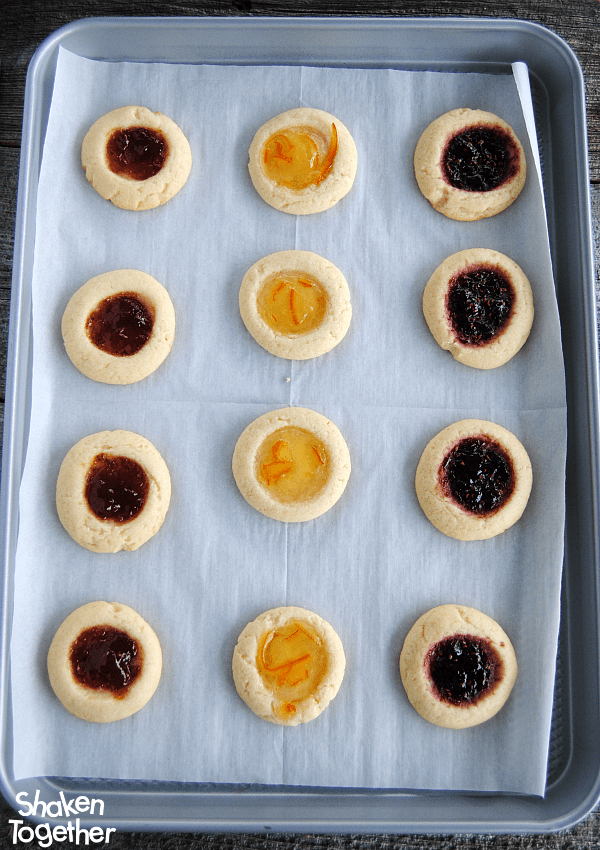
column 45, row 834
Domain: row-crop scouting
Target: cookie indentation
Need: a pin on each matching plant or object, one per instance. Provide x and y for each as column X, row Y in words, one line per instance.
column 292, row 464
column 299, row 157
column 480, row 303
column 116, row 488
column 478, row 474
column 480, row 159
column 136, row 152
column 106, row 658
column 463, row 669
column 121, row 324
column 292, row 303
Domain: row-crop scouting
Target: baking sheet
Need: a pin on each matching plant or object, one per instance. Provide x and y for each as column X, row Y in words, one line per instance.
column 372, row 564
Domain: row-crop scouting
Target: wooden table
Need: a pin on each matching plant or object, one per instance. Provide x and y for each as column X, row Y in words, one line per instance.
column 25, row 23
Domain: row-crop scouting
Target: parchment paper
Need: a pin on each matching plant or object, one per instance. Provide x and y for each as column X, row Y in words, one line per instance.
column 373, row 563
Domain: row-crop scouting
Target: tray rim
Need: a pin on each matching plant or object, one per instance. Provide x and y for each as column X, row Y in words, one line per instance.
column 14, row 441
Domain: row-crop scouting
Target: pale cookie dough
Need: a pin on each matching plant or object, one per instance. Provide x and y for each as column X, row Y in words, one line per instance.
column 499, row 348
column 100, row 365
column 99, row 704
column 124, row 191
column 303, row 687
column 299, row 271
column 108, row 535
column 447, row 702
column 316, row 197
column 444, row 510
column 459, row 203
column 328, row 464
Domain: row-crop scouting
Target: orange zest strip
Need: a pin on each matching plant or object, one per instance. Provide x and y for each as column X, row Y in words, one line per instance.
column 329, row 156
column 293, row 306
column 288, row 664
column 281, row 447
column 305, row 283
column 275, row 470
column 278, row 290
column 280, row 142
column 318, row 454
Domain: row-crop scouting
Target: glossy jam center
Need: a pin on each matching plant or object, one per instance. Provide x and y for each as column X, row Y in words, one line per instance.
column 291, row 661
column 479, row 159
column 478, row 474
column 479, row 304
column 116, row 488
column 105, row 658
column 299, row 157
column 292, row 464
column 121, row 324
column 463, row 669
column 292, row 303
column 136, row 152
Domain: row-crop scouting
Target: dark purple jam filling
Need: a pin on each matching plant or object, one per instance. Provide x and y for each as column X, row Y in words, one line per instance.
column 478, row 474
column 105, row 658
column 463, row 669
column 136, row 152
column 479, row 303
column 116, row 488
column 480, row 159
column 121, row 324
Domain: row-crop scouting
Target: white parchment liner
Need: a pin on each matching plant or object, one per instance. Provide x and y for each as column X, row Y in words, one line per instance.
column 372, row 564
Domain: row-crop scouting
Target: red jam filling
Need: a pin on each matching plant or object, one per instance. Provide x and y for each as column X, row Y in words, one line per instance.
column 478, row 474
column 463, row 669
column 121, row 324
column 479, row 159
column 479, row 304
column 136, row 152
column 105, row 658
column 116, row 488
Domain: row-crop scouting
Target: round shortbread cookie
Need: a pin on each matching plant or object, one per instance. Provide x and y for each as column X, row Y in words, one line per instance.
column 458, row 666
column 288, row 665
column 456, row 177
column 303, row 161
column 136, row 158
column 473, row 480
column 478, row 305
column 113, row 491
column 295, row 304
column 104, row 662
column 291, row 464
column 121, row 310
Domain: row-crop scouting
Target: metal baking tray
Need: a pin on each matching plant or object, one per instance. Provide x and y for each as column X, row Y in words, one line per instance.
column 444, row 44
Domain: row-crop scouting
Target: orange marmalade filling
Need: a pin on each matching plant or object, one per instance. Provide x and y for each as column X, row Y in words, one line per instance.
column 292, row 463
column 292, row 661
column 292, row 303
column 299, row 157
